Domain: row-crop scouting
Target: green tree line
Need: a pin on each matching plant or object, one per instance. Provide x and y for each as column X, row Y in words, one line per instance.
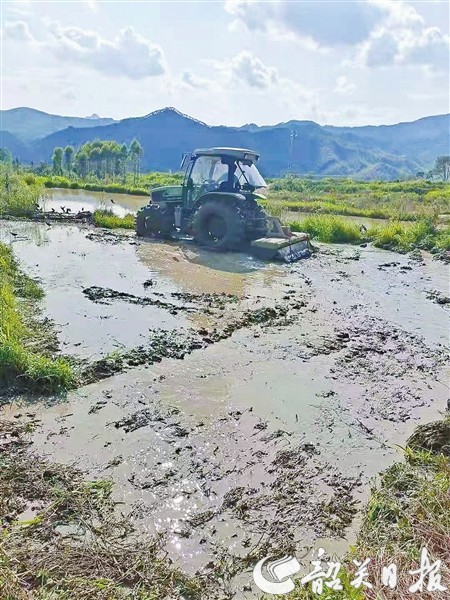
column 103, row 159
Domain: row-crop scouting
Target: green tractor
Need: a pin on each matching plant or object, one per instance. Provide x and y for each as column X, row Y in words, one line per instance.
column 217, row 204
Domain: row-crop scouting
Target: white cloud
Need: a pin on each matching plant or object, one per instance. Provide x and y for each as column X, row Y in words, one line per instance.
column 323, row 24
column 384, row 32
column 193, row 81
column 404, row 39
column 17, row 31
column 129, row 54
column 247, row 69
column 92, row 4
column 381, row 49
column 344, row 85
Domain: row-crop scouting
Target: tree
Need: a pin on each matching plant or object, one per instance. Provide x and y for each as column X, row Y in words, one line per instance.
column 57, row 160
column 68, row 156
column 5, row 155
column 95, row 160
column 136, row 152
column 442, row 167
column 123, row 160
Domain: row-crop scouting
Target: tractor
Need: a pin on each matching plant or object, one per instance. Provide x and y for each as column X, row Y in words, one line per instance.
column 217, row 204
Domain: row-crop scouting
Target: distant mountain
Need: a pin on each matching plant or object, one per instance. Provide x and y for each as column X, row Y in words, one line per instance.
column 29, row 124
column 17, row 148
column 372, row 152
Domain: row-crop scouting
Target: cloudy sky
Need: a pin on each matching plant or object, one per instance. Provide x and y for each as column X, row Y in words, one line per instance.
column 229, row 62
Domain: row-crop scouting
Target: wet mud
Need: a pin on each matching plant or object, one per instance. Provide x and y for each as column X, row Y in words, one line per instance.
column 244, row 407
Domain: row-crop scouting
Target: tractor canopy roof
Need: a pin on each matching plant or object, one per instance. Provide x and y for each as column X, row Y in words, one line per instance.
column 236, row 153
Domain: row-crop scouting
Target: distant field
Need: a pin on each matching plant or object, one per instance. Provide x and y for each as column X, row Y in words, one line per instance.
column 402, row 200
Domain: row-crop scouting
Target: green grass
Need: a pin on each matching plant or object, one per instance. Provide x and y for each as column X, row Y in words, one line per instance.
column 278, row 207
column 403, row 200
column 144, row 185
column 326, row 228
column 396, row 236
column 19, row 194
column 393, row 235
column 20, row 366
column 32, row 371
column 106, row 218
column 95, row 186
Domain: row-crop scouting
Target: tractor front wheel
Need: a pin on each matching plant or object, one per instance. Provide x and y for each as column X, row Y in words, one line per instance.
column 219, row 225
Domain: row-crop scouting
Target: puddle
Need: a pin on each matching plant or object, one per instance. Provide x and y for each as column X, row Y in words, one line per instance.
column 67, row 262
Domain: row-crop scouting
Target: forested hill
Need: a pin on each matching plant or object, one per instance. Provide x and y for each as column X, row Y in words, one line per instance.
column 371, row 152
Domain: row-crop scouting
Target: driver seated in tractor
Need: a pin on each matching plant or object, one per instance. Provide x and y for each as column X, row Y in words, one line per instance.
column 229, row 182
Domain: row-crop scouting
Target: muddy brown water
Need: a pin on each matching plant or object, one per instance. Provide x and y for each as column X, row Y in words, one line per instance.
column 270, row 434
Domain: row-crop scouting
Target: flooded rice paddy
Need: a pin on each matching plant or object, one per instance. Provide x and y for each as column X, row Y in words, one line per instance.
column 302, row 381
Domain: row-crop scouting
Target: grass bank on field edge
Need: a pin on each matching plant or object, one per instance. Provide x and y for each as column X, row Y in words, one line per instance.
column 99, row 558
column 107, row 218
column 392, row 235
column 22, row 365
column 409, row 509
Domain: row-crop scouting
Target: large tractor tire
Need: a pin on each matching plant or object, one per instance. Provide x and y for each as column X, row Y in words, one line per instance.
column 219, row 225
column 261, row 227
column 141, row 228
column 154, row 221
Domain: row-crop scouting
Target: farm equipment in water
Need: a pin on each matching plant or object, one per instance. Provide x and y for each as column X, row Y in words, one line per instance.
column 217, row 204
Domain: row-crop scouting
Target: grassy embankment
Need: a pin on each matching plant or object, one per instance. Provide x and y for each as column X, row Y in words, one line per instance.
column 393, row 235
column 22, row 364
column 147, row 182
column 408, row 510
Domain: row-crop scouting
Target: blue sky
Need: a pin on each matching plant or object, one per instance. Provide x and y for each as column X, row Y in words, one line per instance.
column 231, row 62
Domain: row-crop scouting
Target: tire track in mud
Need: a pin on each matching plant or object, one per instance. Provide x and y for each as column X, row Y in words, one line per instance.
column 181, row 342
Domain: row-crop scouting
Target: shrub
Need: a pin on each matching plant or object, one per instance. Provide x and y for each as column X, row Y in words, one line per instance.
column 17, row 197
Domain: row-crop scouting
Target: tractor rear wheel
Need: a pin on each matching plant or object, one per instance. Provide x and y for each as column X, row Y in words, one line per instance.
column 154, row 221
column 219, row 225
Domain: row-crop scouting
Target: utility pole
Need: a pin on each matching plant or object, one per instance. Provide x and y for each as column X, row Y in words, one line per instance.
column 292, row 136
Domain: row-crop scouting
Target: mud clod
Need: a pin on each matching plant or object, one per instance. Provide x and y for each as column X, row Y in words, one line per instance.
column 433, row 437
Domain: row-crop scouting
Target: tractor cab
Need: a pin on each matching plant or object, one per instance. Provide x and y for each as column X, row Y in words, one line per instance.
column 220, row 170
